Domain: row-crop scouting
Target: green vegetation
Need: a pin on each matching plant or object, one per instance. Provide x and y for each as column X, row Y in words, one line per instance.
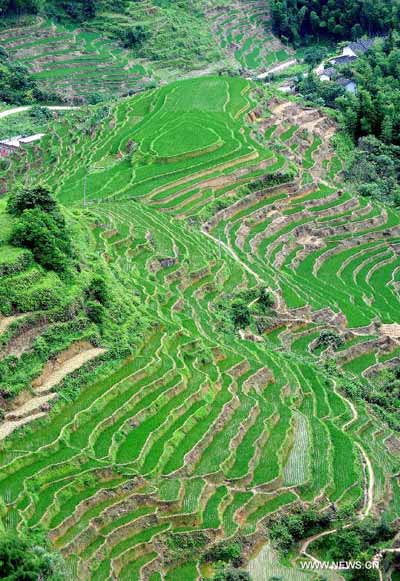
column 193, row 310
column 17, row 85
column 301, row 20
column 29, row 557
column 369, row 117
column 361, row 542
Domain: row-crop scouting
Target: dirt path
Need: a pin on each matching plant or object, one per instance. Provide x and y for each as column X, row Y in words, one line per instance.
column 57, row 373
column 379, row 556
column 30, row 407
column 371, row 483
column 5, row 322
column 7, row 428
column 15, row 110
column 233, row 255
column 368, row 507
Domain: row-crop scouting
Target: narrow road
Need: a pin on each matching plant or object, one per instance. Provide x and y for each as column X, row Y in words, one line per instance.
column 379, row 556
column 277, row 69
column 371, row 483
column 15, row 110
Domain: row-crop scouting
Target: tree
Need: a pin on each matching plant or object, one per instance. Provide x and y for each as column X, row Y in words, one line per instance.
column 79, row 10
column 265, row 299
column 225, row 551
column 240, row 315
column 29, row 559
column 29, row 198
column 134, row 36
column 232, row 574
column 46, row 236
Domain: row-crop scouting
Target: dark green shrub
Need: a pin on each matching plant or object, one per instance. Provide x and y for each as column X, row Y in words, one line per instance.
column 328, row 338
column 229, row 552
column 29, row 559
column 30, row 198
column 46, row 236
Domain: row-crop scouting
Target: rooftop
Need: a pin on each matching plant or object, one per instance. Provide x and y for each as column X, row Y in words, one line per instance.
column 362, row 45
column 21, row 139
column 343, row 59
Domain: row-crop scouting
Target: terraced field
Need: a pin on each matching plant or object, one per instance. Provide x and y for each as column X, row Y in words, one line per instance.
column 72, row 62
column 243, row 30
column 207, row 429
column 80, row 64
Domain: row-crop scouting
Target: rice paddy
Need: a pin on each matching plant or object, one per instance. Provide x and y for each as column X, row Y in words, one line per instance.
column 206, row 429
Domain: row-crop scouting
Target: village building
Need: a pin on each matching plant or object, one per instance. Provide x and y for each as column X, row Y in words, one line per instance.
column 15, row 144
column 328, row 74
column 350, row 53
column 347, row 84
column 342, row 60
column 359, row 47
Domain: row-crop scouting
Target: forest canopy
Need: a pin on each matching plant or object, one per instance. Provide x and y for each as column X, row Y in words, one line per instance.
column 297, row 20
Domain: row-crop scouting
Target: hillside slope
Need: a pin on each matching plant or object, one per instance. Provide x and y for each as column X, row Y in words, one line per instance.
column 124, row 50
column 220, row 211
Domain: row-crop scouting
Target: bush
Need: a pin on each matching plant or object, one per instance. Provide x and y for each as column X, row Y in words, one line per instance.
column 232, row 575
column 40, row 227
column 29, row 559
column 240, row 315
column 98, row 290
column 40, row 113
column 29, row 198
column 46, row 236
column 96, row 312
column 225, row 551
column 329, row 339
column 134, row 36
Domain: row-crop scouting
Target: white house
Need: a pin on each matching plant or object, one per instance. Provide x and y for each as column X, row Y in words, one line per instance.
column 358, row 47
column 9, row 146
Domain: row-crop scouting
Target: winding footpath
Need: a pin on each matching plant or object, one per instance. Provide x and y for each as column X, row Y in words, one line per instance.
column 368, row 504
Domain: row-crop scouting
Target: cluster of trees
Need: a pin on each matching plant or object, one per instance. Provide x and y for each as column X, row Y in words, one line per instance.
column 16, row 84
column 371, row 116
column 375, row 108
column 40, row 227
column 226, row 557
column 244, row 308
column 29, row 558
column 78, row 10
column 296, row 21
column 383, row 393
column 287, row 530
column 134, row 36
column 17, row 7
column 374, row 170
column 328, row 338
column 358, row 543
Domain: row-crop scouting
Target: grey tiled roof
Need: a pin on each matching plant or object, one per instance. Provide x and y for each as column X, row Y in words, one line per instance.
column 361, row 45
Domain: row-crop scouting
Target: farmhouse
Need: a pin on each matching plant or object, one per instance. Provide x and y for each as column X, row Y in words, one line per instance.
column 13, row 145
column 357, row 48
column 350, row 53
column 342, row 60
column 349, row 85
column 328, row 74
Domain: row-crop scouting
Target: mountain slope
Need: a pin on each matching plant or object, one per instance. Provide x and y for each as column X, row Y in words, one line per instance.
column 268, row 290
column 121, row 51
